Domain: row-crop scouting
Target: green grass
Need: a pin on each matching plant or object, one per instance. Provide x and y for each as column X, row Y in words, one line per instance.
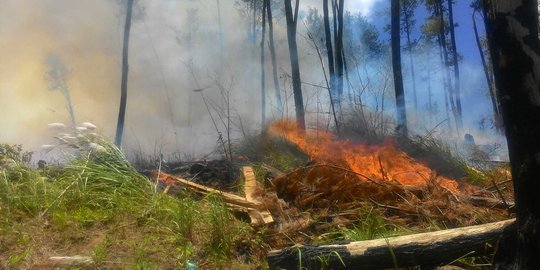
column 371, row 226
column 98, row 205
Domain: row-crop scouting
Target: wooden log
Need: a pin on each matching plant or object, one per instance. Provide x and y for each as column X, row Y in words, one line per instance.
column 428, row 249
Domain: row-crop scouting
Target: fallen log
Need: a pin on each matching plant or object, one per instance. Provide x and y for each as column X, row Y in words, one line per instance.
column 428, row 249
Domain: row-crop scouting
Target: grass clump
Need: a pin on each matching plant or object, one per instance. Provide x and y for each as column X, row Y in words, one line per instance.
column 371, row 225
column 98, row 205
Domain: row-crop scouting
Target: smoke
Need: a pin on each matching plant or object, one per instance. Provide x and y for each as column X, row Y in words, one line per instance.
column 176, row 47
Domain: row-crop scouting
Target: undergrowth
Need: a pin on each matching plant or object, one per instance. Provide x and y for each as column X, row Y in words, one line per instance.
column 97, row 205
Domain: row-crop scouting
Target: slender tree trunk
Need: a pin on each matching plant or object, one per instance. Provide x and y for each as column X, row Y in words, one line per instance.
column 411, row 64
column 401, row 128
column 329, row 49
column 430, row 96
column 442, row 43
column 273, row 56
column 492, row 93
column 339, row 53
column 263, row 81
column 292, row 19
column 125, row 68
column 446, row 82
column 254, row 22
column 457, row 87
column 512, row 31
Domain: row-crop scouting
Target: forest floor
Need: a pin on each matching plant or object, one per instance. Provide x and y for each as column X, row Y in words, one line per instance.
column 105, row 210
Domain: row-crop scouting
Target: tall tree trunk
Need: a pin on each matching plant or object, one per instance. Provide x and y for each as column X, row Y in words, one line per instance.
column 401, row 128
column 125, row 68
column 457, row 87
column 273, row 56
column 411, row 64
column 512, row 30
column 339, row 53
column 492, row 93
column 292, row 19
column 439, row 10
column 254, row 22
column 329, row 49
column 263, row 81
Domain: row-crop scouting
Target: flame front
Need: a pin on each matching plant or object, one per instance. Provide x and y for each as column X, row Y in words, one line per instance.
column 378, row 162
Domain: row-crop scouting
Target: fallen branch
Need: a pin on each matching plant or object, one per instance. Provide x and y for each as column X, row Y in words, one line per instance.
column 71, row 260
column 253, row 208
column 432, row 248
column 488, row 202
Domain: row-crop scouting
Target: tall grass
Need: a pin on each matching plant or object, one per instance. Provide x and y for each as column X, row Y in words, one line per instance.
column 99, row 190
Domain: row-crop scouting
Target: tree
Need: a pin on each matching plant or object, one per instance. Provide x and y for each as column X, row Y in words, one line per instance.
column 455, row 62
column 263, row 75
column 338, row 56
column 292, row 19
column 407, row 23
column 56, row 75
column 401, row 128
column 497, row 118
column 273, row 55
column 125, row 68
column 512, row 31
column 328, row 43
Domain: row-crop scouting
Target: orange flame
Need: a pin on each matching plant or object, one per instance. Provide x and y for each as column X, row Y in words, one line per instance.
column 377, row 162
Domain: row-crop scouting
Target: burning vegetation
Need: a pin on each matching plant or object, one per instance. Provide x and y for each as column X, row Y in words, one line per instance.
column 306, row 188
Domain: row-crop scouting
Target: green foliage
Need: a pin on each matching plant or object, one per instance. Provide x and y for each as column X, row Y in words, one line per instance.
column 220, row 221
column 10, row 154
column 370, row 226
column 98, row 195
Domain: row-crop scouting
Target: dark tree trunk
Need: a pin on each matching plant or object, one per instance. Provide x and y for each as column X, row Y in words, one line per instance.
column 292, row 19
column 273, row 55
column 401, row 128
column 329, row 49
column 411, row 64
column 439, row 10
column 457, row 87
column 125, row 68
column 263, row 79
column 339, row 53
column 512, row 30
column 492, row 93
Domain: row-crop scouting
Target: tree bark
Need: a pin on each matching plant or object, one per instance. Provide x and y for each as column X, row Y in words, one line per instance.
column 263, row 75
column 425, row 249
column 125, row 69
column 401, row 128
column 492, row 93
column 457, row 87
column 512, row 30
column 273, row 56
column 292, row 19
column 329, row 49
column 411, row 64
column 339, row 54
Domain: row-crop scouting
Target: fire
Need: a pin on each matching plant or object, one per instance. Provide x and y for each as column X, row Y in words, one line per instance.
column 377, row 162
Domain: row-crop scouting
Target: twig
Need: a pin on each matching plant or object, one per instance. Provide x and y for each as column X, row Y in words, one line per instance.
column 389, row 206
column 338, row 168
column 382, row 169
column 500, row 194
